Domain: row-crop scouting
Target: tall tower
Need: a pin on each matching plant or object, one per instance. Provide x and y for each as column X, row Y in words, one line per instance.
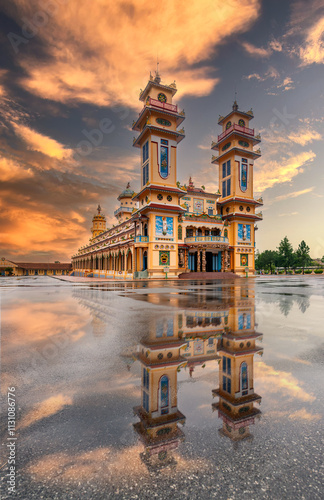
column 236, row 161
column 159, row 197
column 98, row 223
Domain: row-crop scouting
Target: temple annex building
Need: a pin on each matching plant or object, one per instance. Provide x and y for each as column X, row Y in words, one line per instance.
column 168, row 229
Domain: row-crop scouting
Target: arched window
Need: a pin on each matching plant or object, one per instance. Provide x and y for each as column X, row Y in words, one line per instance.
column 244, row 376
column 164, row 395
column 225, row 233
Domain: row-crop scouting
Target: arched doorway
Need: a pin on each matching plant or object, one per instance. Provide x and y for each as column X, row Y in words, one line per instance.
column 129, row 262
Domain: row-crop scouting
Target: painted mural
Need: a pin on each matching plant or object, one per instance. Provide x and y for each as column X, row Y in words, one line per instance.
column 198, row 205
column 163, row 226
column 244, row 174
column 244, row 321
column 164, row 159
column 244, row 232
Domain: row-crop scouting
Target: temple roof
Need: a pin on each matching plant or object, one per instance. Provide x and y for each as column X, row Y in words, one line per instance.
column 127, row 193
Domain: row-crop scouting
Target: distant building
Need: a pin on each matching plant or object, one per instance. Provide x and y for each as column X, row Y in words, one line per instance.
column 8, row 267
column 169, row 228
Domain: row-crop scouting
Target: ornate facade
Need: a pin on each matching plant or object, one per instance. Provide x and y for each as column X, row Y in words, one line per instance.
column 167, row 229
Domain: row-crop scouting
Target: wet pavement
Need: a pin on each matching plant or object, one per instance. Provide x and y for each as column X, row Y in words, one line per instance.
column 163, row 389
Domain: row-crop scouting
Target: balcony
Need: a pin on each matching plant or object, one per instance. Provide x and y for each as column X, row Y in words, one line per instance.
column 163, row 105
column 141, row 239
column 123, row 209
column 238, row 128
column 206, row 239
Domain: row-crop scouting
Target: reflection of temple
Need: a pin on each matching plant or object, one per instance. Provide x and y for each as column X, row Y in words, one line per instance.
column 159, row 355
column 236, row 380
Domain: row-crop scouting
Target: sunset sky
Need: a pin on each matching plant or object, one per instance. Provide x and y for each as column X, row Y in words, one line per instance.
column 66, row 65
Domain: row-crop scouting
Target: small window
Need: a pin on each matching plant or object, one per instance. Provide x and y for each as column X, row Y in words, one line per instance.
column 169, row 198
column 160, row 197
column 164, row 142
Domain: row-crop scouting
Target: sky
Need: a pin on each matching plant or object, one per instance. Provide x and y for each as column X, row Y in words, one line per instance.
column 70, row 76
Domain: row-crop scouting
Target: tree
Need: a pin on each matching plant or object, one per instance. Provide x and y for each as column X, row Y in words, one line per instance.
column 302, row 255
column 286, row 254
column 266, row 260
column 9, row 270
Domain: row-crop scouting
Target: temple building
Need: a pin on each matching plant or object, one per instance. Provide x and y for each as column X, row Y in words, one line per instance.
column 167, row 229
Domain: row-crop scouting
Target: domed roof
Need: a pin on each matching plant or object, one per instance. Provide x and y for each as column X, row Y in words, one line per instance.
column 127, row 193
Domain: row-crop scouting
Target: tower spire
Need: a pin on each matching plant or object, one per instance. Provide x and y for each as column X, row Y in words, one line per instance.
column 157, row 78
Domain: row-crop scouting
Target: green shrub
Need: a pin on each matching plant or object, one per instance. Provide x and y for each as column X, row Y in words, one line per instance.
column 298, row 271
column 281, row 272
column 308, row 271
column 318, row 271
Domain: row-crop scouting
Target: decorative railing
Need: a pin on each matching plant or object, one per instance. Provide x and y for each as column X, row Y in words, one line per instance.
column 245, row 130
column 141, row 239
column 197, row 239
column 163, row 105
column 123, row 209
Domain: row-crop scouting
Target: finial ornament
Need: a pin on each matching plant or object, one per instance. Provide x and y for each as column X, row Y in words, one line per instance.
column 99, row 209
column 128, row 185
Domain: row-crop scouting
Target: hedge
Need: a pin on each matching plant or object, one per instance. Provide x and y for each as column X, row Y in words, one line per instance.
column 318, row 271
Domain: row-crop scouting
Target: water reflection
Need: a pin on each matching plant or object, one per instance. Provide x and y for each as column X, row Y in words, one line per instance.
column 220, row 326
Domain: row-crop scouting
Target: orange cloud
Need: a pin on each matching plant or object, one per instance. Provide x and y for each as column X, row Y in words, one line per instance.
column 95, row 56
column 252, row 50
column 45, row 409
column 313, row 51
column 37, row 231
column 294, row 194
column 269, row 172
column 10, row 169
column 274, row 381
column 38, row 142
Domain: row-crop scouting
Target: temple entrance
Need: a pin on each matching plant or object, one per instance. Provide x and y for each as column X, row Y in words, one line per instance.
column 192, row 261
column 209, row 262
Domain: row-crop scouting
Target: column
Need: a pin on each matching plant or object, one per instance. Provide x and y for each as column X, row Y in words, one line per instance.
column 198, row 261
column 186, row 258
column 204, row 260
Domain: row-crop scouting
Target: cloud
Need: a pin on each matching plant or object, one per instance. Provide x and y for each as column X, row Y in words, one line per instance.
column 294, row 194
column 254, row 51
column 278, row 381
column 10, row 169
column 303, row 414
column 90, row 56
column 41, row 143
column 287, row 84
column 270, row 172
column 45, row 409
column 288, row 214
column 271, row 73
column 304, row 137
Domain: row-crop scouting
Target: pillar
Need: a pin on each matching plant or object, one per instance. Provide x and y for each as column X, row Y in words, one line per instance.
column 198, row 261
column 204, row 260
column 186, row 258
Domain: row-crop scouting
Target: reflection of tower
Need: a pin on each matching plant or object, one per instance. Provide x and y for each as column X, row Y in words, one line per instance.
column 158, row 429
column 236, row 378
